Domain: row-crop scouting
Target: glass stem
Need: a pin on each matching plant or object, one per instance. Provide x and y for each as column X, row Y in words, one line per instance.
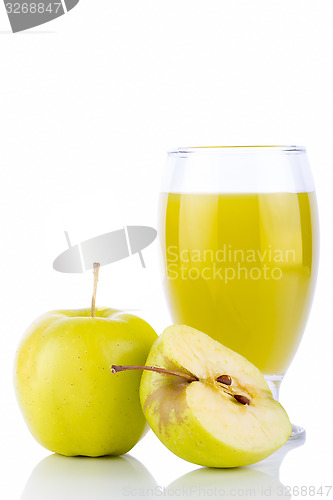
column 274, row 383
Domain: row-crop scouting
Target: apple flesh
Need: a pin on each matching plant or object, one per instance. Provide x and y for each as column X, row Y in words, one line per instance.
column 201, row 420
column 71, row 402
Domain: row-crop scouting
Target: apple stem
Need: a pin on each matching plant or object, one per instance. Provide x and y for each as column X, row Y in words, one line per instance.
column 157, row 369
column 96, row 267
column 190, row 378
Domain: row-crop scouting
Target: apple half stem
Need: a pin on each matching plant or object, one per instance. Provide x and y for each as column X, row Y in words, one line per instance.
column 96, row 267
column 157, row 369
column 241, row 398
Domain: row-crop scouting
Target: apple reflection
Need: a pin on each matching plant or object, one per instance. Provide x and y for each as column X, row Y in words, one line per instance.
column 79, row 478
column 258, row 481
column 72, row 478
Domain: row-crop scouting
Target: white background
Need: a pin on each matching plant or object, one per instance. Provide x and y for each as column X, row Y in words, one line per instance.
column 89, row 104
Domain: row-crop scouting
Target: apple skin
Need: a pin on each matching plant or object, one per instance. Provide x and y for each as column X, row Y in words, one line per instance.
column 72, row 403
column 165, row 402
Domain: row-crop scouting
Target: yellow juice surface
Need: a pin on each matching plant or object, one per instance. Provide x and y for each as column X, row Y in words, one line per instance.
column 242, row 268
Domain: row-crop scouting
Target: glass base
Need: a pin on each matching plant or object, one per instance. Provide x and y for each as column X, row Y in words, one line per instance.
column 274, row 382
column 297, row 433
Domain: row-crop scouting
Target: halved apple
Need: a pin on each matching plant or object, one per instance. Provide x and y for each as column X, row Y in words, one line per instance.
column 216, row 409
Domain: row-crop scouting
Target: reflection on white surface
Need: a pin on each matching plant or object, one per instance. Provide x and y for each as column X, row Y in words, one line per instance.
column 258, row 481
column 227, row 483
column 272, row 464
column 80, row 478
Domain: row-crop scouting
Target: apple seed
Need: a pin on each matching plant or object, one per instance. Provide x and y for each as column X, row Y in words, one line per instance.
column 227, row 380
column 242, row 399
column 224, row 379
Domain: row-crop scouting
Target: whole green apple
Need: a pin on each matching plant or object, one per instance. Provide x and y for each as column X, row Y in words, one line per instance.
column 72, row 403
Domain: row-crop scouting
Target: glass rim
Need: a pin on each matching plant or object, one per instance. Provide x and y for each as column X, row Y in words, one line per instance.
column 225, row 150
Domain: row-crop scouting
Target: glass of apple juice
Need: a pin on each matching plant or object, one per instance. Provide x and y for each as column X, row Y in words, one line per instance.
column 239, row 232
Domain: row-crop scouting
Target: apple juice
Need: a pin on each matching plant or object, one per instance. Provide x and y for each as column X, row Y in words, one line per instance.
column 241, row 268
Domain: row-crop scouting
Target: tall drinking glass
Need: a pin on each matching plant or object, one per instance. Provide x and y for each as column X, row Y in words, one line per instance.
column 240, row 236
